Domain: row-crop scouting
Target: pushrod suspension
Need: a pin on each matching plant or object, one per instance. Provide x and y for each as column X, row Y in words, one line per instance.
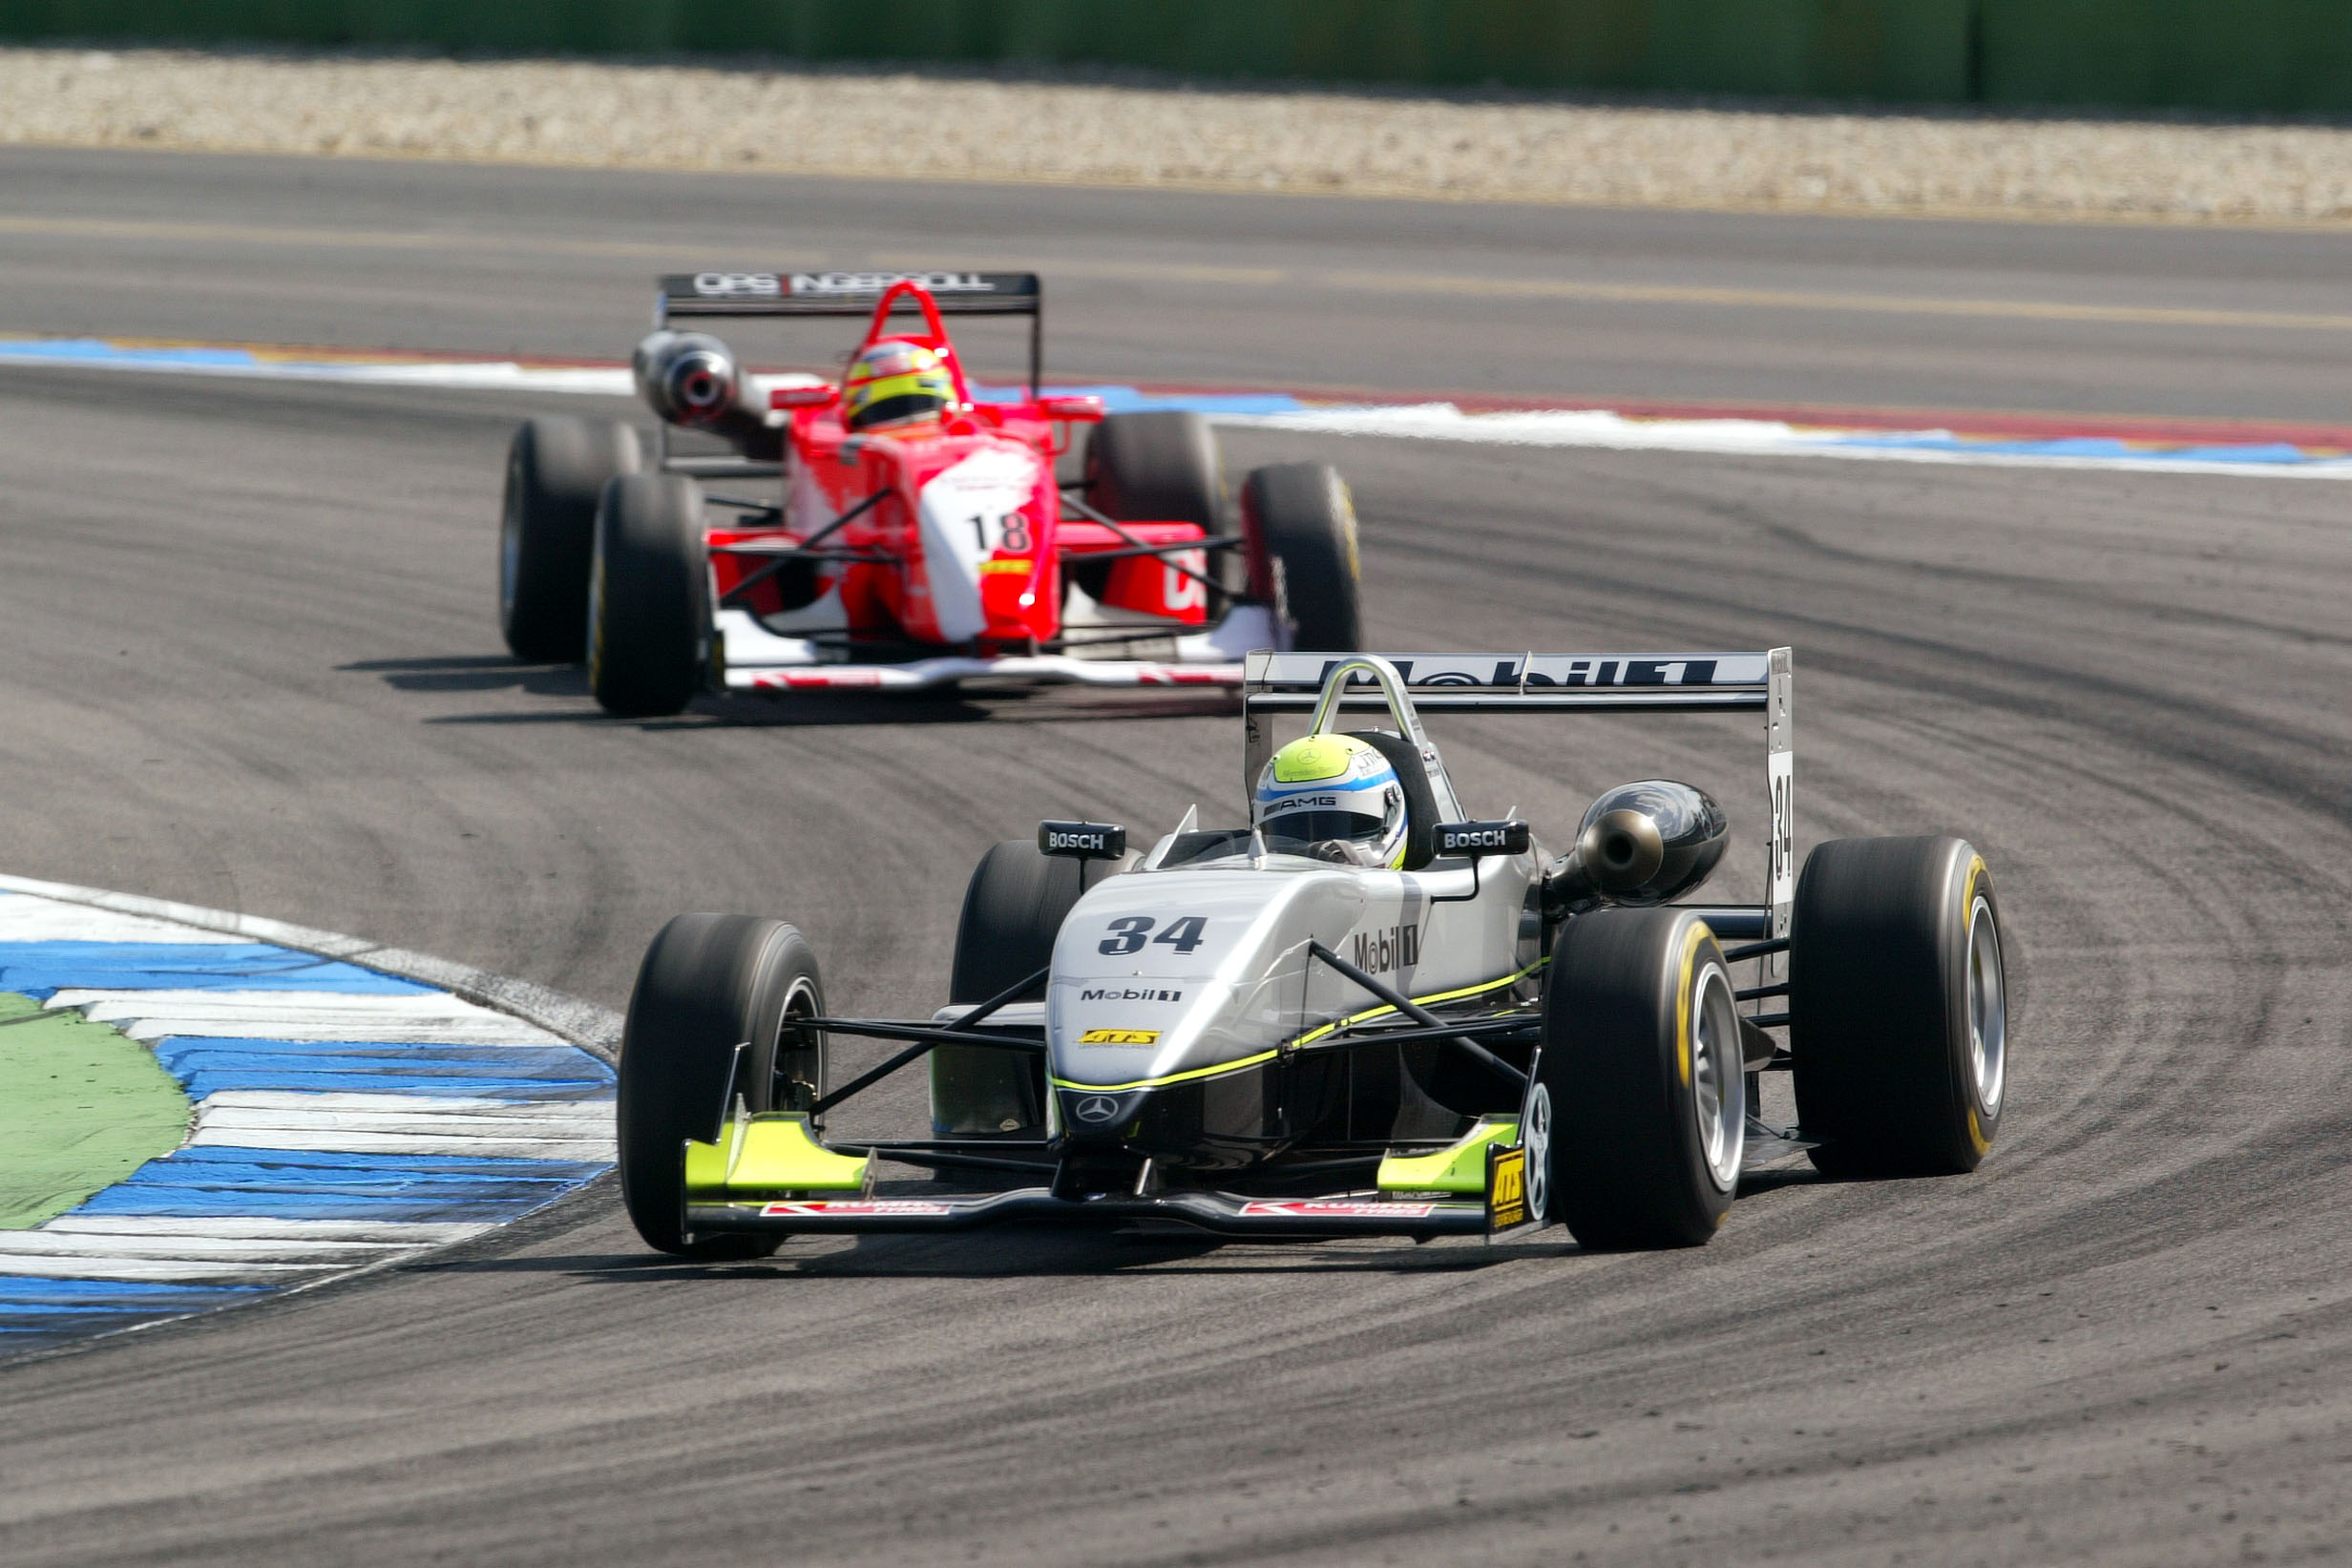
column 1420, row 1014
column 925, row 1039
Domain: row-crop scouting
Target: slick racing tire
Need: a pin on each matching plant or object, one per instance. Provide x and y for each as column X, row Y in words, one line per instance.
column 1642, row 1065
column 1160, row 466
column 648, row 597
column 1298, row 528
column 556, row 470
column 1013, row 911
column 1898, row 1009
column 709, row 983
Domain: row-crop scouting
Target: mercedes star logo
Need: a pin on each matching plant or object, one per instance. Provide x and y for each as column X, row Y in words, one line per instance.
column 1098, row 1108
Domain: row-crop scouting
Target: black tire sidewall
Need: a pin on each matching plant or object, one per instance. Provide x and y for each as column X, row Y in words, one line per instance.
column 1299, row 517
column 1160, row 465
column 1621, row 1001
column 1013, row 911
column 1878, row 1006
column 708, row 983
column 649, row 596
column 556, row 470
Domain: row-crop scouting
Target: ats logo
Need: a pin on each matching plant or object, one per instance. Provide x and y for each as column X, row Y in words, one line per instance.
column 1378, row 951
column 1119, row 1037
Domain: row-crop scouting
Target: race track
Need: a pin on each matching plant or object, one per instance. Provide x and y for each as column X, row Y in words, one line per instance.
column 247, row 661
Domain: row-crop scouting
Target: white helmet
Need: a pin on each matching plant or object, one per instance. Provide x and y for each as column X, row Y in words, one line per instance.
column 1332, row 796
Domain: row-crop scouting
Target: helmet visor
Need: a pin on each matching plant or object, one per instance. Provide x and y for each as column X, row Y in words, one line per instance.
column 887, row 411
column 1297, row 830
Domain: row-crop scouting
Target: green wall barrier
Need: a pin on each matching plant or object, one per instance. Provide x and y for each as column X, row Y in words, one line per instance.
column 2281, row 55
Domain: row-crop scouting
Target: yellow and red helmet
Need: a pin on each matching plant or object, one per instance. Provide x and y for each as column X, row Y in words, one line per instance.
column 893, row 380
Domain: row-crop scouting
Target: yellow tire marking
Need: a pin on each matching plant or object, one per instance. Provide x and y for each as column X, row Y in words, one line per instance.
column 1697, row 934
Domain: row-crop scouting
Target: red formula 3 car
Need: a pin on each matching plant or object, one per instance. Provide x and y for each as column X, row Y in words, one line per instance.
column 903, row 553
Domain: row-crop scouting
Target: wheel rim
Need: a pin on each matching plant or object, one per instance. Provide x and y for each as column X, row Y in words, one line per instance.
column 1989, row 1009
column 800, row 1051
column 1535, row 1133
column 1718, row 1078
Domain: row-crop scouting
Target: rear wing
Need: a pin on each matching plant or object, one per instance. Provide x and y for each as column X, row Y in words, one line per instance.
column 1716, row 683
column 785, row 293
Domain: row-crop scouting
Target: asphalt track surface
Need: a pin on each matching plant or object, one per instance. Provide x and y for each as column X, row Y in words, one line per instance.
column 247, row 661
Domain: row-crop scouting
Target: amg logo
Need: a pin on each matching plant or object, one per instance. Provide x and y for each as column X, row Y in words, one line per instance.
column 1128, row 994
column 1096, row 840
column 874, row 282
column 1398, row 946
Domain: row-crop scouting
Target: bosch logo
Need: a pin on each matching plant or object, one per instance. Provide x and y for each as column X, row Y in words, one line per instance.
column 1096, row 1109
column 1097, row 842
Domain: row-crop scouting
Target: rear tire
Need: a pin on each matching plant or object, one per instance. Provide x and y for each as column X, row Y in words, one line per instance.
column 556, row 470
column 649, row 596
column 709, row 983
column 1013, row 911
column 1298, row 524
column 1160, row 466
column 1897, row 1007
column 1642, row 1067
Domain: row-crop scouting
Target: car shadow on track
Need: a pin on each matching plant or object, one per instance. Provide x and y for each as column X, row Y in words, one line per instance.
column 488, row 673
column 468, row 672
column 1030, row 1252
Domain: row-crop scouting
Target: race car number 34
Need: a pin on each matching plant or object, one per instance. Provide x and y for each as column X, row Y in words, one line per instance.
column 1131, row 931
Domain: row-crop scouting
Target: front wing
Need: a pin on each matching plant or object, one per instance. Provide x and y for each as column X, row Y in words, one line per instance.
column 1502, row 1207
column 755, row 659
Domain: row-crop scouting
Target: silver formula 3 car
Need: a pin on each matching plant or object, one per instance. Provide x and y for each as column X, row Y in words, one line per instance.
column 1222, row 1036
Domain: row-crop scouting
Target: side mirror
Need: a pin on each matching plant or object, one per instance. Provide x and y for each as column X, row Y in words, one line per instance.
column 1082, row 839
column 1078, row 405
column 823, row 396
column 1482, row 838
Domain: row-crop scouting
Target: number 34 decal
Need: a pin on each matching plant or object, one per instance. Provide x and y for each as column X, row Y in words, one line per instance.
column 1131, row 931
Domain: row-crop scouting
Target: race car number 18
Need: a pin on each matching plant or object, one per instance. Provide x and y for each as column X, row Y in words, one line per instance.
column 1131, row 931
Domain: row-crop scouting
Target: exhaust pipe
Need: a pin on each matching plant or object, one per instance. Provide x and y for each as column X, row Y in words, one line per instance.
column 691, row 379
column 1640, row 844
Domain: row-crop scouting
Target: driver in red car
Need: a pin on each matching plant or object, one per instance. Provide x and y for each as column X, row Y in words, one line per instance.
column 893, row 383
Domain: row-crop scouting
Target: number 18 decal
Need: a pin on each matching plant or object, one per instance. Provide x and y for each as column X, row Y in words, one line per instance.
column 1010, row 533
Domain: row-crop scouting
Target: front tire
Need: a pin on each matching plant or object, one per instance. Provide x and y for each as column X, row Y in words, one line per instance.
column 1013, row 908
column 555, row 471
column 1642, row 1067
column 709, row 983
column 649, row 596
column 1298, row 526
column 1897, row 1007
